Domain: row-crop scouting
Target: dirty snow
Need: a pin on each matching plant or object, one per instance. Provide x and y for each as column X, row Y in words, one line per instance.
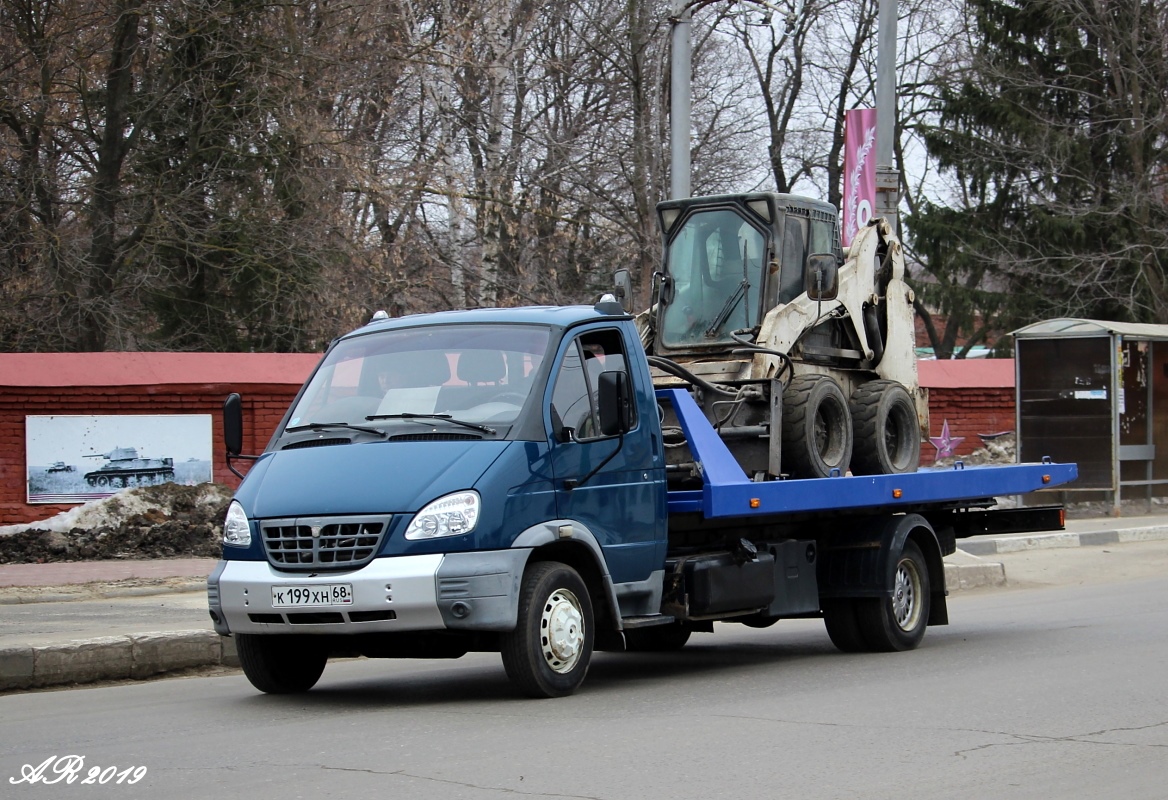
column 165, row 521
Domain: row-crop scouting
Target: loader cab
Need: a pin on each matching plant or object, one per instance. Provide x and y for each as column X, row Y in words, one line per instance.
column 730, row 259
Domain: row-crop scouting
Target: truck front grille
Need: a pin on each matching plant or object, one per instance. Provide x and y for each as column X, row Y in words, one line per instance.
column 323, row 543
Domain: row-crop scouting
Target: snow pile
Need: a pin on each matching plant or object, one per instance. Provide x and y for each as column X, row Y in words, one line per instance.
column 165, row 521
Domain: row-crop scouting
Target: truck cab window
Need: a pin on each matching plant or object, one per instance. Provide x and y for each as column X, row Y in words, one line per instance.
column 477, row 373
column 574, row 395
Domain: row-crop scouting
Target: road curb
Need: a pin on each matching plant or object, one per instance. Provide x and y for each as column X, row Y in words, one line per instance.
column 137, row 655
column 84, row 593
column 973, row 576
column 1043, row 541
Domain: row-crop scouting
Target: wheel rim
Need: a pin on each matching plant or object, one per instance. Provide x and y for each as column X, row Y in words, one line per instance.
column 898, row 433
column 562, row 631
column 828, row 441
column 906, row 595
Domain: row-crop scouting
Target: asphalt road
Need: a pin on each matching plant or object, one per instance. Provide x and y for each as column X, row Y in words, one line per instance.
column 1050, row 691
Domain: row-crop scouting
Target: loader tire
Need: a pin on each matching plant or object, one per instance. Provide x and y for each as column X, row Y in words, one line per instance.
column 886, row 437
column 817, row 428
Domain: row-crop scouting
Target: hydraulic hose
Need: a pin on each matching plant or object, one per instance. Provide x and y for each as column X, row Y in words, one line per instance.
column 677, row 370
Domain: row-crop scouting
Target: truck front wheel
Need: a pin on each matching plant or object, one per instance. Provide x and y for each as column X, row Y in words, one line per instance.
column 548, row 653
column 280, row 664
column 897, row 622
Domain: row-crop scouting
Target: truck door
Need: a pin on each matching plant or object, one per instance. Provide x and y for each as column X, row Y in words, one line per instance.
column 623, row 503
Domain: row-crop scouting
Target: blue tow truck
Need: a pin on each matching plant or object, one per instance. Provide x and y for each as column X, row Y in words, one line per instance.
column 512, row 480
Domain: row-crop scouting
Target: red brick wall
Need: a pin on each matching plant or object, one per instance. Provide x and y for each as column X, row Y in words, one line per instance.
column 263, row 408
column 970, row 411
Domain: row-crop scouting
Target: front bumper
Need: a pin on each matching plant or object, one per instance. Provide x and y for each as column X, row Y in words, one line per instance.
column 454, row 591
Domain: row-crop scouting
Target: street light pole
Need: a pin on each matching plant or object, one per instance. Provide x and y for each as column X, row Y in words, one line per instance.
column 887, row 176
column 679, row 102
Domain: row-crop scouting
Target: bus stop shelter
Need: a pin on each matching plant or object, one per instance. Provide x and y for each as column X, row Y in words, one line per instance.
column 1096, row 393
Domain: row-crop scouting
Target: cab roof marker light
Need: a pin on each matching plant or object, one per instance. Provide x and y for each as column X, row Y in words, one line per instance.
column 668, row 217
column 760, row 207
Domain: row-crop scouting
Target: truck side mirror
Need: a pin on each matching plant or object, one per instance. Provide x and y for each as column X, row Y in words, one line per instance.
column 822, row 277
column 613, row 402
column 233, row 423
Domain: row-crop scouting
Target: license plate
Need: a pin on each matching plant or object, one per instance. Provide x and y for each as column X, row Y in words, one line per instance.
column 326, row 594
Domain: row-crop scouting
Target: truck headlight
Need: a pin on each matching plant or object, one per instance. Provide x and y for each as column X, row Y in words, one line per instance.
column 236, row 530
column 451, row 515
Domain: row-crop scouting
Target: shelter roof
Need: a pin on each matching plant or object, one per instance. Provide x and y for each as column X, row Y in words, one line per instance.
column 1068, row 327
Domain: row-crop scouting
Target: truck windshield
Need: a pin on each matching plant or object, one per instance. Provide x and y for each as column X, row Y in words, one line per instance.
column 715, row 265
column 480, row 374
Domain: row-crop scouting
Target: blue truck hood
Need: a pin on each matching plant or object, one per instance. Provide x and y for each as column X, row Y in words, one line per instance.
column 368, row 478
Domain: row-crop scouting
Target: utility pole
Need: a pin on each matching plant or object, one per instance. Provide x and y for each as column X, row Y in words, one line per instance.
column 679, row 101
column 887, row 176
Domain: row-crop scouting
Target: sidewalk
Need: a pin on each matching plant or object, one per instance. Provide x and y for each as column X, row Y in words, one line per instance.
column 80, row 622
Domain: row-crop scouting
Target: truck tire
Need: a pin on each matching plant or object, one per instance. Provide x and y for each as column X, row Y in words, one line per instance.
column 886, row 437
column 548, row 653
column 817, row 428
column 843, row 628
column 657, row 639
column 280, row 664
column 897, row 622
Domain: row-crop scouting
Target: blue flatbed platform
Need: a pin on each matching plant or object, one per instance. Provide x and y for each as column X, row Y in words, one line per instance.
column 728, row 492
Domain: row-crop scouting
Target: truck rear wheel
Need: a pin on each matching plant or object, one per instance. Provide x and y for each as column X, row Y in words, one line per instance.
column 817, row 428
column 897, row 622
column 843, row 627
column 886, row 435
column 280, row 664
column 548, row 653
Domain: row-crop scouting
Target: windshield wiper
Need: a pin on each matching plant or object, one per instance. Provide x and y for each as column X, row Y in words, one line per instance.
column 444, row 417
column 727, row 309
column 741, row 293
column 315, row 426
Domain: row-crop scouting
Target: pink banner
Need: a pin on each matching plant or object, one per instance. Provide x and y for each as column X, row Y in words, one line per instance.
column 859, row 170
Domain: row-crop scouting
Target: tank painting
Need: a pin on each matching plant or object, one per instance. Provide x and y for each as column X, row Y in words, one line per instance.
column 124, row 468
column 72, row 459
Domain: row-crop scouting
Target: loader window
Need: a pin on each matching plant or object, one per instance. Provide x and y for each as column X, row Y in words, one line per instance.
column 715, row 264
column 794, row 258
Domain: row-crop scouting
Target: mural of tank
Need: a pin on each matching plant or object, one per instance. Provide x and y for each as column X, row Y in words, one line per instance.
column 125, row 468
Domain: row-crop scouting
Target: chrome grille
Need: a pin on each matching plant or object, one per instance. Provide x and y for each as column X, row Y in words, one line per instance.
column 323, row 542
